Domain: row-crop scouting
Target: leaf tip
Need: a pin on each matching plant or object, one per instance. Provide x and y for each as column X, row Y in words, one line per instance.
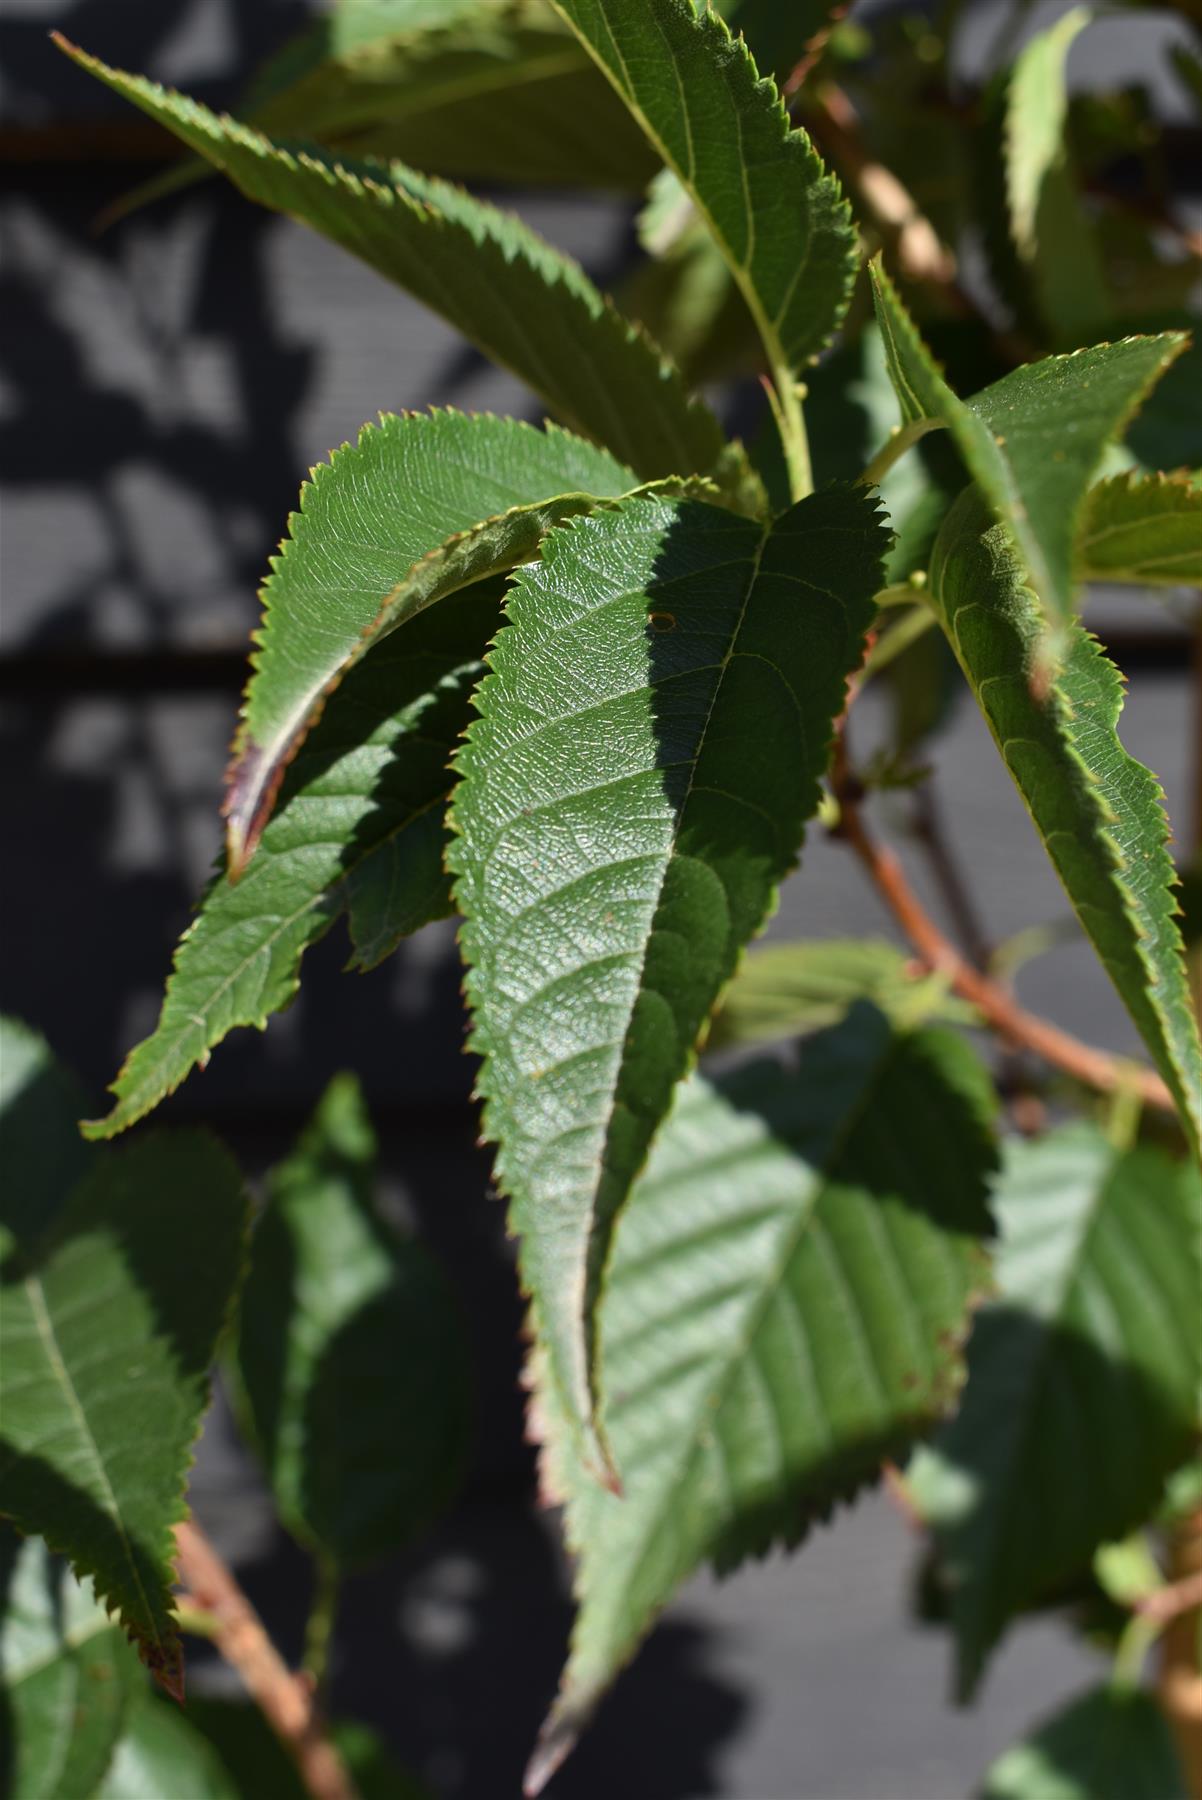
column 556, row 1741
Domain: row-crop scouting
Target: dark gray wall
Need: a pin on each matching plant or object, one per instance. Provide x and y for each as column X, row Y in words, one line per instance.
column 163, row 390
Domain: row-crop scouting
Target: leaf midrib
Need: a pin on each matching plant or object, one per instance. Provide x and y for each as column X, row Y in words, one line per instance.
column 782, row 369
column 49, row 1340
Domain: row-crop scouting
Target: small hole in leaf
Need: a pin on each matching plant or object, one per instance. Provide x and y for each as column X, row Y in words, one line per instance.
column 662, row 621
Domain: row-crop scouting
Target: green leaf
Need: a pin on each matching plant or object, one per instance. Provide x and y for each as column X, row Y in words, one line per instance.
column 499, row 93
column 789, row 1289
column 420, row 507
column 787, row 989
column 160, row 1752
column 1099, row 812
column 1054, row 238
column 258, row 1766
column 1142, row 528
column 67, row 1678
column 491, row 90
column 619, row 834
column 1113, row 1743
column 39, row 1144
column 778, row 217
column 1083, row 1378
column 350, row 1355
column 520, row 302
column 358, row 828
column 1033, row 440
column 108, row 1326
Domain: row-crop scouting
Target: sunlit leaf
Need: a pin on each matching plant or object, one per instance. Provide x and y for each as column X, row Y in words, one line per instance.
column 1099, row 813
column 619, row 835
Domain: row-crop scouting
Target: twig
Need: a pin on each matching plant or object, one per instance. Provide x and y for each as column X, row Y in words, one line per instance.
column 1168, row 1602
column 285, row 1699
column 927, row 826
column 1096, row 1068
column 1179, row 1683
column 920, row 252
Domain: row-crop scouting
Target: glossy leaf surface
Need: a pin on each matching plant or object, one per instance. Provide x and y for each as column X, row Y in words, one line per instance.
column 1092, row 1346
column 350, row 1354
column 1099, row 813
column 619, row 835
column 1033, row 440
column 492, row 278
column 789, row 1289
column 357, row 829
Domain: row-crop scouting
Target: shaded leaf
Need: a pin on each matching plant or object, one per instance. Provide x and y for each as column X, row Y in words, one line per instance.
column 779, row 218
column 108, row 1327
column 159, row 1753
column 492, row 278
column 789, row 1288
column 420, row 507
column 786, row 989
column 258, row 1765
column 357, row 828
column 1053, row 235
column 350, row 1354
column 67, row 1678
column 1113, row 1743
column 619, row 834
column 1083, row 1378
column 1032, row 440
column 1099, row 812
column 1142, row 528
column 1167, row 435
column 493, row 90
column 41, row 1151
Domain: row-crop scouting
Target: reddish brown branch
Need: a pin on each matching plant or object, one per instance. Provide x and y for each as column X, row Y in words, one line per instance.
column 1096, row 1068
column 1179, row 1684
column 285, row 1700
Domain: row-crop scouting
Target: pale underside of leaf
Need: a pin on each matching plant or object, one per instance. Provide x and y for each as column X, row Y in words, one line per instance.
column 1083, row 1382
column 492, row 278
column 1032, row 441
column 789, row 1289
column 419, row 508
column 618, row 837
column 783, row 990
column 358, row 828
column 1053, row 235
column 1099, row 813
column 1142, row 528
column 778, row 216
